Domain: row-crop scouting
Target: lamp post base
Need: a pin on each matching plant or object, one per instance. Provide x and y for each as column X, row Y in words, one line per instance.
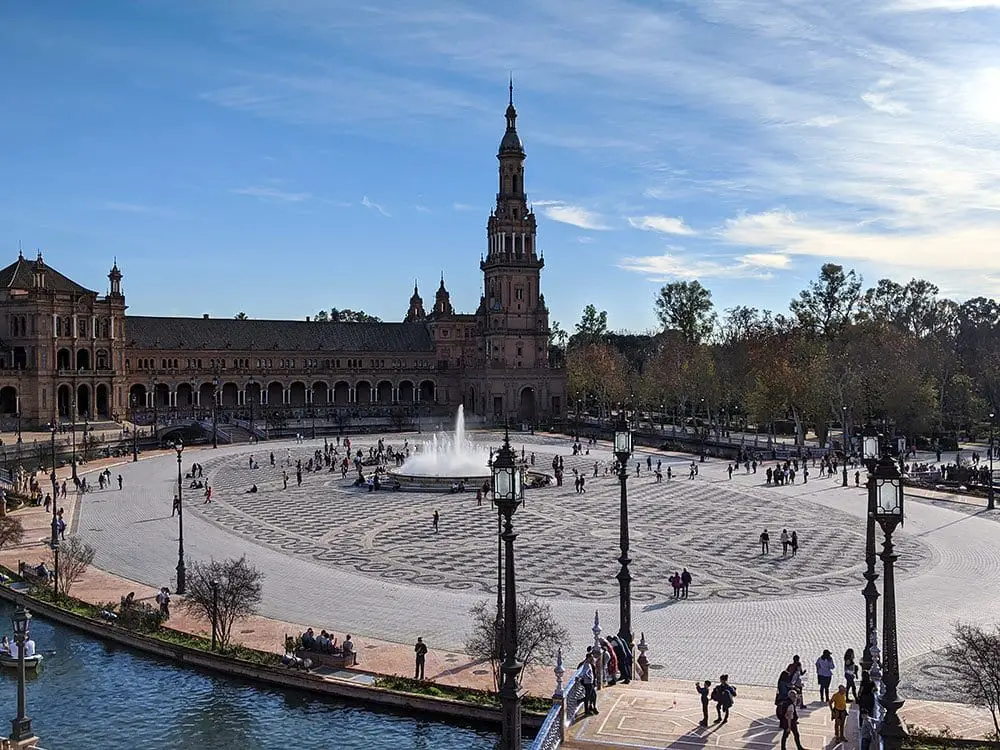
column 20, row 732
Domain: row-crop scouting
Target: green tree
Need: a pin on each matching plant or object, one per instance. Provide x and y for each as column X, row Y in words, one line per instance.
column 592, row 327
column 686, row 306
column 830, row 303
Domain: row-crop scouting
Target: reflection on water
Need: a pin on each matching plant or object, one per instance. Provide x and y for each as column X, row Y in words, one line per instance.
column 92, row 694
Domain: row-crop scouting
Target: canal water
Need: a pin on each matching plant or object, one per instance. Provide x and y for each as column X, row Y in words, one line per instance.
column 90, row 694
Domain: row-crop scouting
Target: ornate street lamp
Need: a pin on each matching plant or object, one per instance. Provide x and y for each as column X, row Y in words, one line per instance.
column 508, row 494
column 215, row 411
column 702, row 431
column 55, row 522
column 179, row 447
column 991, row 502
column 843, row 426
column 135, row 431
column 251, row 384
column 156, row 407
column 889, row 513
column 55, row 577
column 73, row 416
column 623, row 450
column 20, row 726
column 870, row 453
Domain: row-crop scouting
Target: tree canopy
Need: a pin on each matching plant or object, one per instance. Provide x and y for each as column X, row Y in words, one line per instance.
column 898, row 352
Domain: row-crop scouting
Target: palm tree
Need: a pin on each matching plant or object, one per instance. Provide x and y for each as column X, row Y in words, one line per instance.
column 241, row 316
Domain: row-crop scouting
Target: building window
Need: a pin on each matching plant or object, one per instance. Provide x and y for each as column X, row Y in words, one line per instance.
column 518, row 293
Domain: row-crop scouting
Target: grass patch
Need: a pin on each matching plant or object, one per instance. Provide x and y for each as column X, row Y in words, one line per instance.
column 472, row 696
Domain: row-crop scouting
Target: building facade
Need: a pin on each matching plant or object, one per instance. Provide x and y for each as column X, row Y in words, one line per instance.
column 68, row 353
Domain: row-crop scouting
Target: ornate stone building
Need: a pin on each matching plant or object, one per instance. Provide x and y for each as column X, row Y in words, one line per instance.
column 67, row 350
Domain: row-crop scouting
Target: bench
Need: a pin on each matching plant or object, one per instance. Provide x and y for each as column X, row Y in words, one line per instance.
column 333, row 660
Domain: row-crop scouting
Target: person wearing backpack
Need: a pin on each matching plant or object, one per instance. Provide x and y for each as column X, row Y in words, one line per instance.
column 788, row 720
column 723, row 695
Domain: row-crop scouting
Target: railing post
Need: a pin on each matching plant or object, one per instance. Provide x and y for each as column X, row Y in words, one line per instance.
column 598, row 652
column 558, row 697
column 643, row 660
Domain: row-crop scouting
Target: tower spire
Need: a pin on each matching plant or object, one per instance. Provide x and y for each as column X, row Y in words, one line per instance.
column 510, row 89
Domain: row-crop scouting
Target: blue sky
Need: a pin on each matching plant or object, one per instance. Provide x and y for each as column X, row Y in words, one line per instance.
column 282, row 156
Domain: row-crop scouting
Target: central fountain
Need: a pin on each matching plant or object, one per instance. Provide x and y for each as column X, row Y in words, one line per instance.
column 446, row 460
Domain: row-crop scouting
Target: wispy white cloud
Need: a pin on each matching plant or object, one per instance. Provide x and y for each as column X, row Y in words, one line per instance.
column 874, row 121
column 271, row 194
column 130, row 208
column 576, row 216
column 950, row 5
column 463, row 207
column 421, row 209
column 968, row 248
column 368, row 203
column 678, row 264
column 664, row 224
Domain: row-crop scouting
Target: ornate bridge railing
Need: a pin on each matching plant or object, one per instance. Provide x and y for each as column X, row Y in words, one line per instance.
column 566, row 703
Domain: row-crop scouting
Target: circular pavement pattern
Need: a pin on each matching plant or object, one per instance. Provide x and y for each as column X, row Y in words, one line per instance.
column 568, row 542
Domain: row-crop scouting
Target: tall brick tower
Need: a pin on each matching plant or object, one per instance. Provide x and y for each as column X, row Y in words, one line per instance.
column 513, row 319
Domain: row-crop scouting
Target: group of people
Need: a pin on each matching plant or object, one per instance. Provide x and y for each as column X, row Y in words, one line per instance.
column 612, row 664
column 789, row 696
column 789, row 542
column 326, row 643
column 724, row 696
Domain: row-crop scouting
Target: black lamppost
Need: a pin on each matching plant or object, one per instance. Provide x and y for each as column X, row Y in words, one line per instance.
column 73, row 415
column 870, row 453
column 623, row 450
column 508, row 493
column 179, row 447
column 215, row 610
column 20, row 726
column 55, row 577
column 215, row 411
column 250, row 389
column 843, row 425
column 135, row 431
column 702, row 430
column 889, row 514
column 156, row 406
column 991, row 501
column 55, row 530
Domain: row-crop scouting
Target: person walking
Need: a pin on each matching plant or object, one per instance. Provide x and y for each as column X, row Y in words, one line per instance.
column 795, row 543
column 436, row 519
column 176, row 506
column 785, row 541
column 685, row 583
column 838, row 710
column 850, row 673
column 704, row 691
column 824, row 674
column 788, row 720
column 120, row 482
column 420, row 650
column 765, row 539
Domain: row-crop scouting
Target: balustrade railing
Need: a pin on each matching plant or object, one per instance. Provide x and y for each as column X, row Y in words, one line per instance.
column 566, row 703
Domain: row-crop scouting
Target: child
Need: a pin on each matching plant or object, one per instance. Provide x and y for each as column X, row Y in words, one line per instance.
column 704, row 691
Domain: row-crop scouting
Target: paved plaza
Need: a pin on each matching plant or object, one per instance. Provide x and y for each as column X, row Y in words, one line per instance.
column 340, row 557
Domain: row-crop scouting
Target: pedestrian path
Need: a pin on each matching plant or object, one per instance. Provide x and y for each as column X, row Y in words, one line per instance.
column 667, row 715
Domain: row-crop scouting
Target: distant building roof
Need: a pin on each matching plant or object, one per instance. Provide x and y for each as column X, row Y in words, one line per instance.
column 20, row 275
column 270, row 335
